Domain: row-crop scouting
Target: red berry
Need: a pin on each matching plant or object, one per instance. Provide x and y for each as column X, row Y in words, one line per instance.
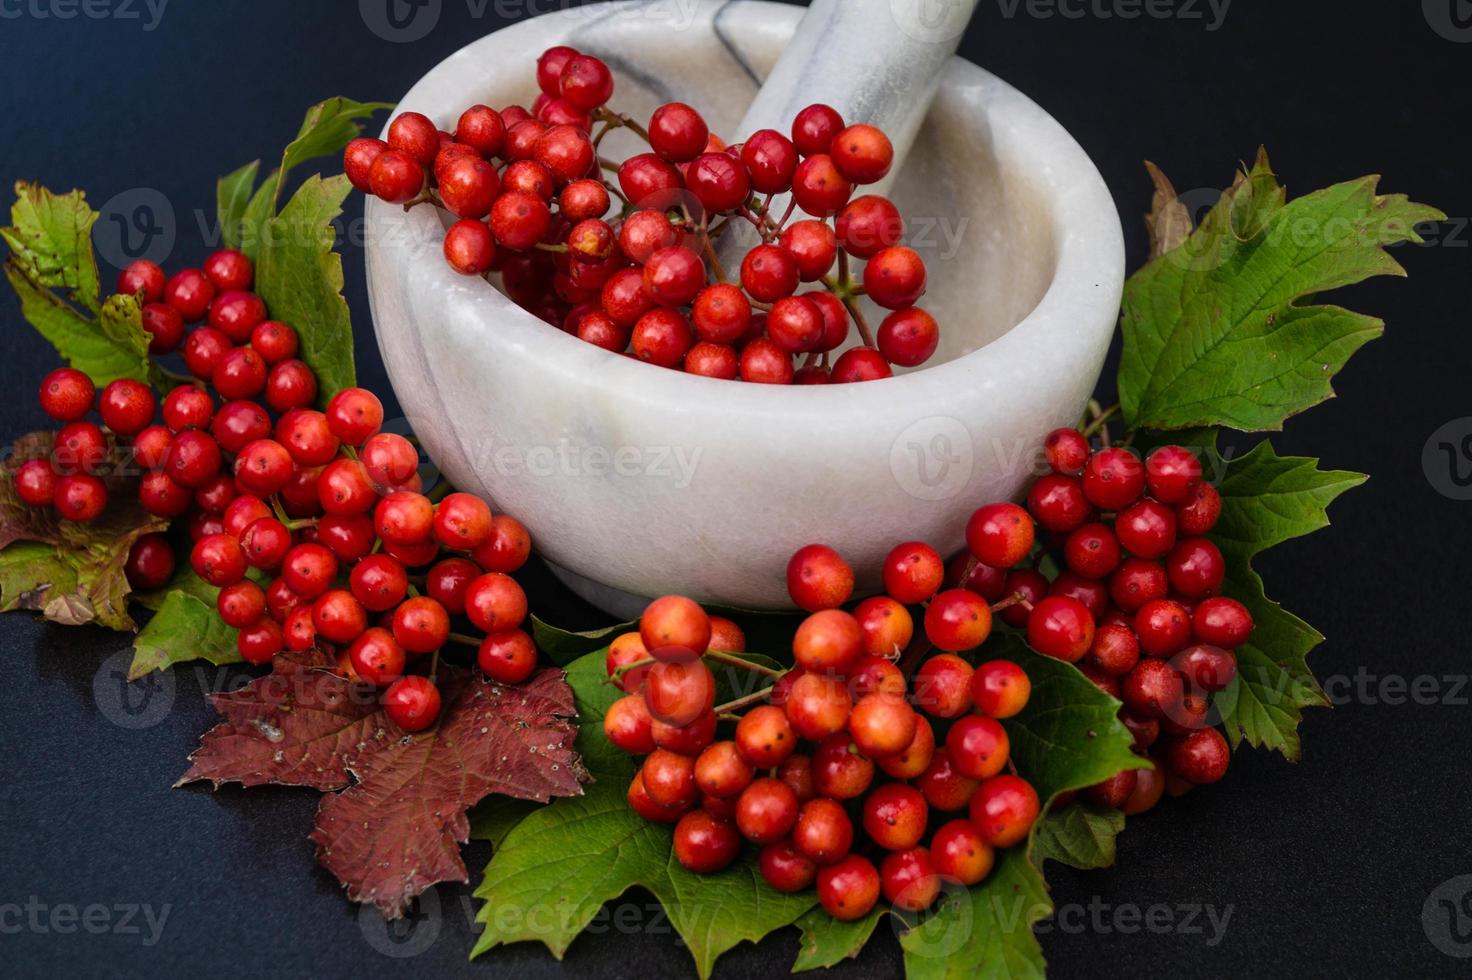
column 848, row 890
column 860, row 364
column 895, row 816
column 944, row 786
column 1208, row 668
column 420, row 624
column 193, row 459
column 584, row 199
column 1163, row 626
column 412, row 703
column 829, row 640
column 1136, row 582
column 354, row 414
column 1060, row 627
column 1000, row 535
column 80, row 497
column 203, row 350
column 265, row 543
column 218, row 559
column 1113, row 479
column 958, row 619
column 820, row 189
column 1222, row 622
column 770, row 159
column 817, row 706
column 35, row 482
column 766, row 810
column 1067, row 451
column 785, row 868
column 882, row 724
column 764, row 362
column 887, row 629
column 1058, row 503
column 675, row 622
column 1025, row 584
column 719, row 181
column 977, row 746
column 236, row 314
column 795, row 324
column 67, row 394
column 895, row 277
column 814, row 128
column 677, row 132
column 377, row 657
column 586, row 82
column 1196, row 568
column 150, row 563
column 1004, row 809
column 507, row 658
column 1152, row 689
column 1201, row 757
column 673, row 276
column 165, row 328
column 1000, row 688
column 959, row 853
column 823, row 833
column 704, row 843
column 142, row 276
column 358, row 159
column 260, row 642
column 80, row 446
column 840, row 771
column 396, row 177
column 769, row 273
column 862, row 153
column 413, row 134
column 1092, row 551
column 241, row 373
column 495, row 603
column 188, row 407
column 229, row 270
column 1200, row 511
column 765, row 736
column 813, row 245
column 908, row 337
column 909, row 879
column 1146, row 529
column 190, row 293
column 241, row 604
column 309, row 570
column 507, row 548
column 161, row 496
column 662, row 336
column 274, row 341
column 1171, row 473
column 713, row 361
column 468, row 186
column 943, row 686
column 1115, row 650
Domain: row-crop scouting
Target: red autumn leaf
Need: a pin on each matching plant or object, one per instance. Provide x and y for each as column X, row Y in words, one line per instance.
column 295, row 726
column 398, row 829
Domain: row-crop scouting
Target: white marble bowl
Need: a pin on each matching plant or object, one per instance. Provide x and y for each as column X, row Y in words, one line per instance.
column 637, row 481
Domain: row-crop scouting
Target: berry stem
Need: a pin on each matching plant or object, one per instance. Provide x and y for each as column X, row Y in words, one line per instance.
column 715, row 262
column 1101, row 417
column 620, row 672
column 847, row 294
column 469, row 641
column 618, row 119
column 742, row 702
column 734, row 661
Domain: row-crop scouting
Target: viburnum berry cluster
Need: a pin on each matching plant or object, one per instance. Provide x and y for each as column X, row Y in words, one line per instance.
column 312, row 524
column 846, row 769
column 838, row 769
column 533, row 203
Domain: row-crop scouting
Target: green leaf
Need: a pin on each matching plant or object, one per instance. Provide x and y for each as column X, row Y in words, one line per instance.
column 563, row 646
column 1068, row 737
column 232, row 195
column 184, row 628
column 300, row 277
column 50, row 250
column 32, row 575
column 1221, row 329
column 50, row 240
column 556, row 868
column 826, row 941
column 1080, row 836
column 1268, row 499
column 328, row 128
column 986, row 931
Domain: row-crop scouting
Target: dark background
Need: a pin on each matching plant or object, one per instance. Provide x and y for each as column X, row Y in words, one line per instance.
column 1325, row 865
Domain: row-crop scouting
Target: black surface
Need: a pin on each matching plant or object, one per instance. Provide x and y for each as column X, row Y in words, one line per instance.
column 1325, row 865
